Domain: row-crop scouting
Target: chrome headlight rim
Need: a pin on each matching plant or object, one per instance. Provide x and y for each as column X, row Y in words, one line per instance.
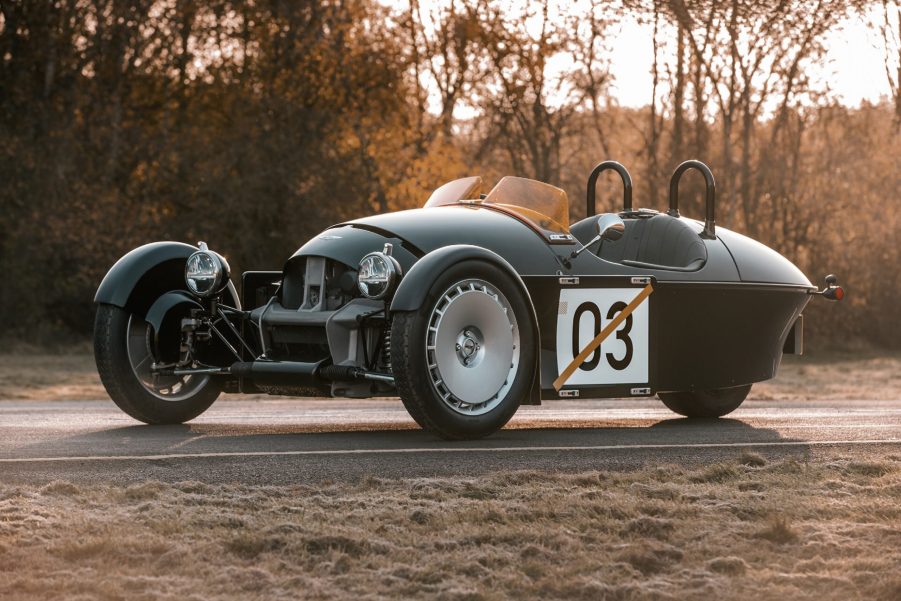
column 389, row 281
column 219, row 274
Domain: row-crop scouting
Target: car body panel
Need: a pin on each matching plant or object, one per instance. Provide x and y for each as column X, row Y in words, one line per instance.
column 699, row 335
column 723, row 324
column 348, row 244
column 428, row 229
column 757, row 262
column 715, row 316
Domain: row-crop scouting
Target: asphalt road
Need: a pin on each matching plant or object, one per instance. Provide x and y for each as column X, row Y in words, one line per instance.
column 288, row 441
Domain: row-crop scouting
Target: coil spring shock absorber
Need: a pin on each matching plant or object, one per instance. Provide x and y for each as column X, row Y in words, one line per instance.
column 385, row 356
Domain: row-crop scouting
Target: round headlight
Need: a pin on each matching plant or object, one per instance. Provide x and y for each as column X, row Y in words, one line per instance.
column 377, row 275
column 206, row 273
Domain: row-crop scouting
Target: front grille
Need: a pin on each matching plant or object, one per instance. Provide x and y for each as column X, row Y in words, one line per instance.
column 317, row 284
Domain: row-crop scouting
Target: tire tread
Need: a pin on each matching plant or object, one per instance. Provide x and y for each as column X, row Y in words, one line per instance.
column 401, row 331
column 705, row 403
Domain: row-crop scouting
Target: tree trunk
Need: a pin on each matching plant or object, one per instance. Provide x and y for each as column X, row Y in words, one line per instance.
column 745, row 191
column 676, row 147
column 653, row 133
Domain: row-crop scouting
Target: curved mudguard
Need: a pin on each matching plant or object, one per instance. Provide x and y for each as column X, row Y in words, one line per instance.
column 161, row 307
column 415, row 285
column 140, row 280
column 123, row 278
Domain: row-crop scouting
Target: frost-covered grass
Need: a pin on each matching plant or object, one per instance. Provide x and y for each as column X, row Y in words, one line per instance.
column 744, row 528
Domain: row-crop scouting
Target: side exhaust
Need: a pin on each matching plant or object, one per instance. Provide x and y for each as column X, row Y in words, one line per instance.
column 345, row 373
column 291, row 372
column 277, row 370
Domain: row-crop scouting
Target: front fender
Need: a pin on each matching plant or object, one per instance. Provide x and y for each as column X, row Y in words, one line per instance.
column 124, row 278
column 145, row 274
column 416, row 283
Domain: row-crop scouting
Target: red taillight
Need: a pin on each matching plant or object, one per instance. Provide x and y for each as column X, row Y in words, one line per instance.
column 833, row 293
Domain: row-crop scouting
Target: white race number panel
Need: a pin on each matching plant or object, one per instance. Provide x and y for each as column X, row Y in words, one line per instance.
column 622, row 357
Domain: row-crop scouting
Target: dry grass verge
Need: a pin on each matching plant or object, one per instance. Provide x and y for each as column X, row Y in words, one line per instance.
column 834, row 377
column 745, row 528
column 46, row 377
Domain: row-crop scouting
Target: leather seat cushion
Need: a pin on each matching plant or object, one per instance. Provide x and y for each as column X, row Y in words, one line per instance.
column 659, row 240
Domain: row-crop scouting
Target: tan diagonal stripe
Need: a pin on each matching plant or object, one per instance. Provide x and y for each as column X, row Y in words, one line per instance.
column 608, row 329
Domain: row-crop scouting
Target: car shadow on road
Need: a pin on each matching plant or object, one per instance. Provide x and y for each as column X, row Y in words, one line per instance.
column 229, row 438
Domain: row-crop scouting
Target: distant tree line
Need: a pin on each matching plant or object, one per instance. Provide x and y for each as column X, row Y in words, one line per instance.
column 253, row 125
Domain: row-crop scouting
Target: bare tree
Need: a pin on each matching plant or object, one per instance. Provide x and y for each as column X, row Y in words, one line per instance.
column 529, row 110
column 890, row 28
column 655, row 122
column 443, row 41
column 591, row 75
column 753, row 54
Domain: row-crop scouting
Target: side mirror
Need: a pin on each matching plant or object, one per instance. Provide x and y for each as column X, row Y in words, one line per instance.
column 610, row 227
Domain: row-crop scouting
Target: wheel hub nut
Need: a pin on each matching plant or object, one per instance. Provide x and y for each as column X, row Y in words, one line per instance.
column 468, row 345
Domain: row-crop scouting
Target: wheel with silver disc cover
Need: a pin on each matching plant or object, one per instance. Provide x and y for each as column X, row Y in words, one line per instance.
column 472, row 347
column 464, row 361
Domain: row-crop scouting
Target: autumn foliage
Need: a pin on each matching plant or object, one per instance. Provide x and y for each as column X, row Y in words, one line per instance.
column 253, row 125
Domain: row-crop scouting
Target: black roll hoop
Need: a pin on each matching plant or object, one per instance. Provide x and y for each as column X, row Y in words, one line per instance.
column 709, row 221
column 592, row 184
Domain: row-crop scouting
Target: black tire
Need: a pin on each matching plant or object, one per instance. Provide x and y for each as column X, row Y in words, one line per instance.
column 706, row 403
column 409, row 358
column 111, row 331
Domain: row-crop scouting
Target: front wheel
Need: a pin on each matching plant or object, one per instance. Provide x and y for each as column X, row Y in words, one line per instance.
column 706, row 403
column 124, row 354
column 463, row 361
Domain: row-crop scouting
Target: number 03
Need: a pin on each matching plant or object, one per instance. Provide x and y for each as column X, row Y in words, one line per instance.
column 622, row 334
